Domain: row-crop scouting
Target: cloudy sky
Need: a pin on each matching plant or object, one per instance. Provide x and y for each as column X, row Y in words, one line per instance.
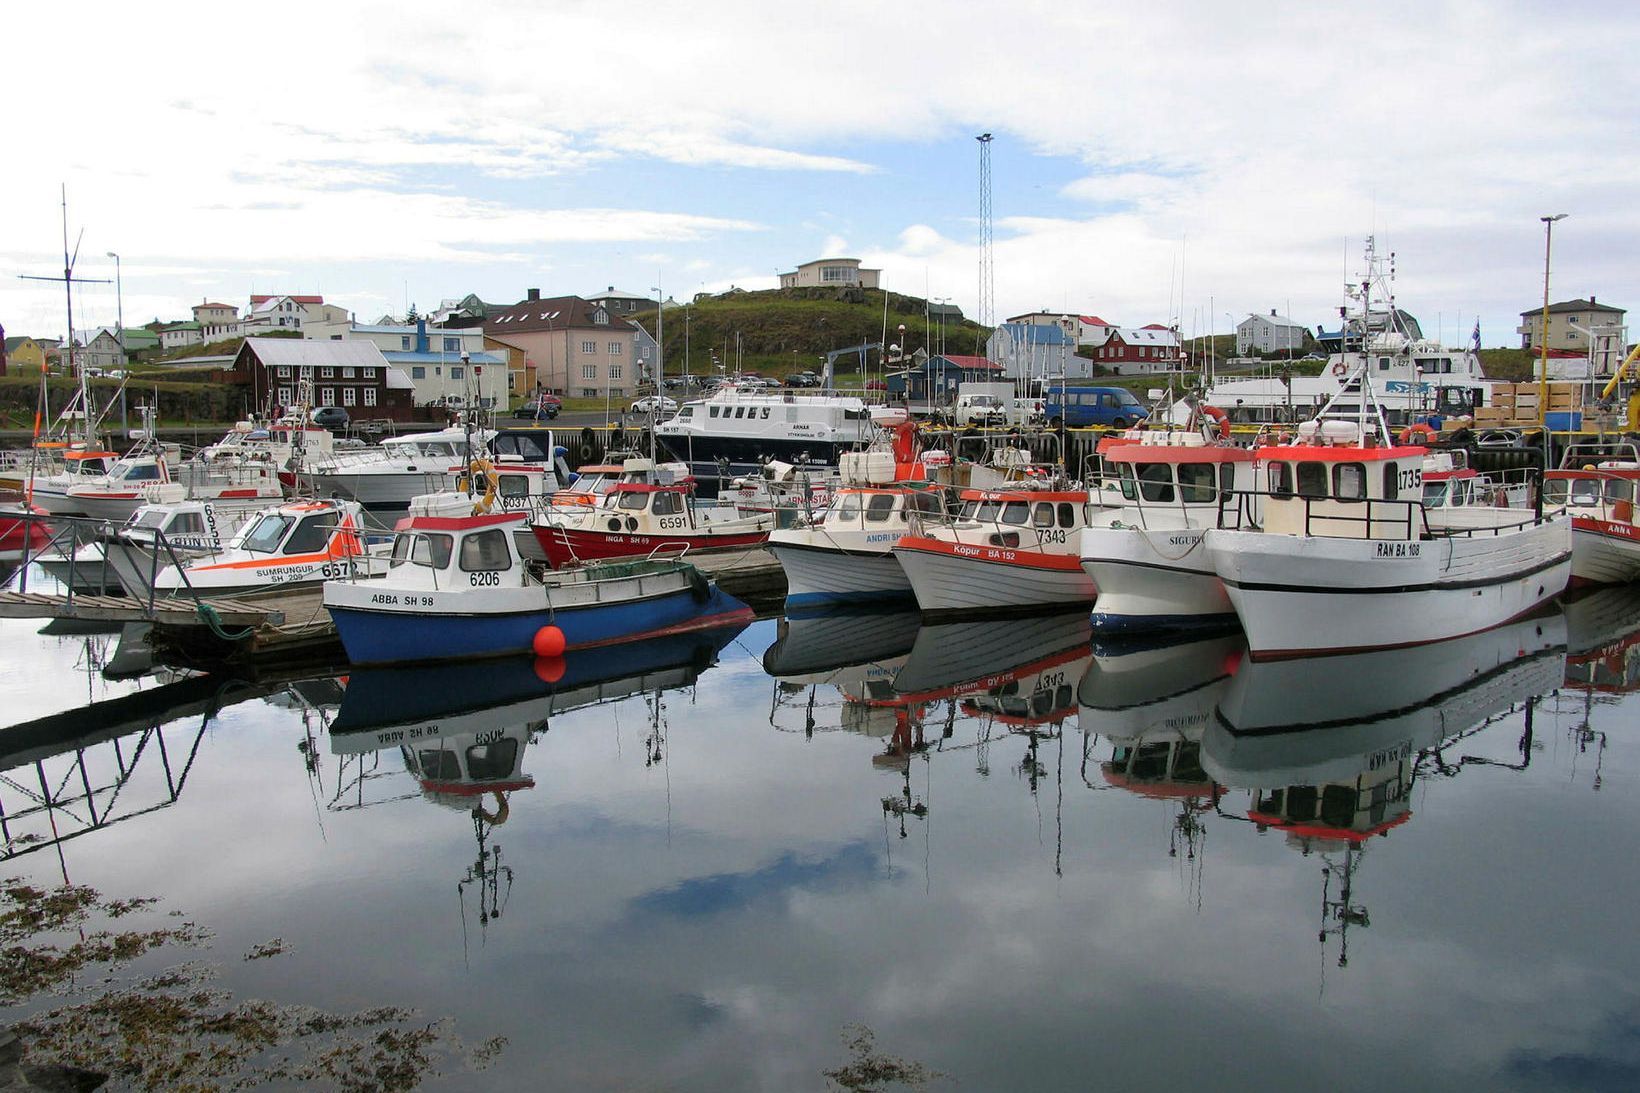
column 1169, row 161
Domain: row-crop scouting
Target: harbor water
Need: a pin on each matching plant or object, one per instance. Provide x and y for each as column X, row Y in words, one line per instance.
column 984, row 855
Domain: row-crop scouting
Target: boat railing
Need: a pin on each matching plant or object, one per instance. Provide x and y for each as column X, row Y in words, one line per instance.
column 67, row 535
column 664, row 552
column 1397, row 520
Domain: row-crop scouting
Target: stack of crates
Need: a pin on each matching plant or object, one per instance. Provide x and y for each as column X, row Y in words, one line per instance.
column 1518, row 404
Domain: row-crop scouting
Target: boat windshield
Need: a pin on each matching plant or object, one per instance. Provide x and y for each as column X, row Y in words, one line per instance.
column 422, row 548
column 265, row 535
column 847, row 507
column 141, row 472
column 1581, row 491
column 152, row 518
column 632, row 500
column 1435, row 491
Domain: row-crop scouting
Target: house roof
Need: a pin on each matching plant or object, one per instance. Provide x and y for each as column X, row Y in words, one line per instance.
column 396, row 380
column 296, row 299
column 1092, row 320
column 308, row 352
column 1146, row 335
column 615, row 293
column 1038, row 333
column 1573, row 305
column 181, row 326
column 558, row 313
column 229, row 307
column 967, row 362
column 13, row 343
column 1273, row 320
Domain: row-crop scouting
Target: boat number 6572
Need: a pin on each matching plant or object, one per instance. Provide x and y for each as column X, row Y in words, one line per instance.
column 476, row 579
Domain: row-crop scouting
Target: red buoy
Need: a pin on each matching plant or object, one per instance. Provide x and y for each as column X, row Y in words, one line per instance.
column 549, row 669
column 549, row 642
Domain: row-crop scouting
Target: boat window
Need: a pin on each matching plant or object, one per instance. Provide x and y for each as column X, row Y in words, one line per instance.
column 493, row 761
column 1312, row 479
column 1067, row 514
column 765, row 413
column 1196, row 482
column 880, row 507
column 1463, row 491
column 632, row 499
column 1391, row 482
column 1129, row 491
column 534, row 449
column 853, row 415
column 1227, row 479
column 311, row 534
column 142, row 472
column 1281, row 480
column 925, row 502
column 1042, row 514
column 186, row 523
column 687, row 411
column 987, row 511
column 264, row 537
column 848, row 506
column 515, row 485
column 1015, row 512
column 438, row 764
column 711, row 411
column 1619, row 489
column 740, row 412
column 1350, row 481
column 485, row 551
column 1156, row 482
column 422, row 549
column 152, row 518
column 1586, row 491
column 1554, row 491
column 667, row 504
column 1435, row 491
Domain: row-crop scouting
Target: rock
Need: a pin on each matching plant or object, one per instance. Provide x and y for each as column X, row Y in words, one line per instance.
column 17, row 1076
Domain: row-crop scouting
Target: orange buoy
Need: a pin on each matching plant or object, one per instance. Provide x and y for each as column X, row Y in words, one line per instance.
column 549, row 669
column 549, row 642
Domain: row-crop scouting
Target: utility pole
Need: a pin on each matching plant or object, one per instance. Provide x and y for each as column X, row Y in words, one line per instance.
column 119, row 311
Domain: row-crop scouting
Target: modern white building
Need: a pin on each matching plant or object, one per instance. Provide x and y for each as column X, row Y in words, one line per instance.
column 1270, row 333
column 831, row 273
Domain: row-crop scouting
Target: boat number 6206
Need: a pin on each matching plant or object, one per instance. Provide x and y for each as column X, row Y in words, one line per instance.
column 477, row 579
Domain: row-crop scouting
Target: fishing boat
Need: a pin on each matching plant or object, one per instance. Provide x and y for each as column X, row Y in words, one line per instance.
column 457, row 587
column 852, row 651
column 1347, row 556
column 635, row 519
column 1034, row 662
column 1146, row 557
column 845, row 551
column 1005, row 550
column 1149, row 696
column 21, row 536
column 1603, row 639
column 297, row 543
column 737, row 430
column 156, row 535
column 385, row 479
column 1598, row 493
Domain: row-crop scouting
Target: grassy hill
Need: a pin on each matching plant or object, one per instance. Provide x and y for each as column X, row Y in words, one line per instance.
column 781, row 331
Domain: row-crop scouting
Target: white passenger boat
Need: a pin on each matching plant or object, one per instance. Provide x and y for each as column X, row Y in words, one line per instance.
column 385, row 480
column 1348, row 557
column 736, row 430
column 302, row 542
column 1004, row 550
column 1599, row 496
column 1146, row 558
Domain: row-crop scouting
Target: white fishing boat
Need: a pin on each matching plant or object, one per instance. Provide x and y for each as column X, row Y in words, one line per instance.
column 1348, row 557
column 301, row 542
column 1149, row 699
column 245, row 483
column 155, row 536
column 1011, row 549
column 1598, row 493
column 384, row 480
column 1146, row 558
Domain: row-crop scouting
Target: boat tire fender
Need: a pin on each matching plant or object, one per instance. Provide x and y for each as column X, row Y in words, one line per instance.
column 1339, row 369
column 699, row 586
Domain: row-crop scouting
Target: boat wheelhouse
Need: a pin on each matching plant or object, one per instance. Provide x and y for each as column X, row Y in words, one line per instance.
column 1146, row 558
column 384, row 480
column 1599, row 496
column 302, row 542
column 458, row 587
column 846, row 553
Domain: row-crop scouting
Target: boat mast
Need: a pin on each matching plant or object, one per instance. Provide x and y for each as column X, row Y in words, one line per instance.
column 68, row 293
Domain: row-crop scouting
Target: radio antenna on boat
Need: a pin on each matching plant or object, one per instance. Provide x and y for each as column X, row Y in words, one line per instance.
column 67, row 280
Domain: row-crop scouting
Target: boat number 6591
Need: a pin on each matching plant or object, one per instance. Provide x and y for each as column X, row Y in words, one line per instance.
column 669, row 522
column 476, row 579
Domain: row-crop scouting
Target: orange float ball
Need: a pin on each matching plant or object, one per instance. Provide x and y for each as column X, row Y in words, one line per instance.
column 549, row 642
column 549, row 669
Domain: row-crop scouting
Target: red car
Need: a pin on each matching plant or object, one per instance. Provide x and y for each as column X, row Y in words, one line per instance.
column 876, row 385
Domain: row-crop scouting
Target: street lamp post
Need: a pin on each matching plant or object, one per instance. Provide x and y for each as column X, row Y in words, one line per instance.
column 1543, row 329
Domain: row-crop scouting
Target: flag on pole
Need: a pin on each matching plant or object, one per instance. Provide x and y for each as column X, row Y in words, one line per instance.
column 1475, row 338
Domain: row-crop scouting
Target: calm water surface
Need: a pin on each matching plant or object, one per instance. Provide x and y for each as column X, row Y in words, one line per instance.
column 1020, row 859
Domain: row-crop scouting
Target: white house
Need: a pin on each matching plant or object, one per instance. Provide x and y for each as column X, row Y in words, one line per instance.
column 177, row 335
column 289, row 313
column 1028, row 351
column 1270, row 333
column 831, row 273
column 216, row 321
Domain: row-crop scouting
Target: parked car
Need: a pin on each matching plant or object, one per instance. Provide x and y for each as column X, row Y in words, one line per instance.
column 547, row 406
column 330, row 417
column 876, row 385
column 651, row 404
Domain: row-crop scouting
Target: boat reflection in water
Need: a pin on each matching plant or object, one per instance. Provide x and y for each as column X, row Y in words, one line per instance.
column 1603, row 640
column 1328, row 749
column 462, row 729
column 852, row 652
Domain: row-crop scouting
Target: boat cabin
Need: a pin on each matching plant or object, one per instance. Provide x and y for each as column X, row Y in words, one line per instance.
column 647, row 508
column 865, row 508
column 88, row 465
column 302, row 528
column 453, row 770
column 1176, row 469
column 1328, row 484
column 1338, row 813
column 443, row 544
column 189, row 525
column 1011, row 518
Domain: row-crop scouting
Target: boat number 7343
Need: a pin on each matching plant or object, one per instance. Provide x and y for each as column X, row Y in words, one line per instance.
column 1051, row 535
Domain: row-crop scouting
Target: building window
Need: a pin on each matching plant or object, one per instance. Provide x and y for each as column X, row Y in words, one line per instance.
column 327, row 396
column 457, row 372
column 418, row 372
column 370, row 396
column 589, row 371
column 284, row 371
column 835, row 273
column 615, row 371
column 284, row 396
column 404, row 341
column 367, row 373
column 452, row 345
column 589, row 347
column 350, row 396
column 615, row 349
column 327, row 372
column 601, row 317
column 589, row 392
column 347, row 373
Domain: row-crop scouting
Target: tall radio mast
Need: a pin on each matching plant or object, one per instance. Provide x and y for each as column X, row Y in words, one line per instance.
column 987, row 269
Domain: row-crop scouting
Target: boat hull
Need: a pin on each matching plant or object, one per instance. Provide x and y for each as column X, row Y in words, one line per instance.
column 817, row 575
column 1604, row 551
column 1298, row 595
column 378, row 625
column 567, row 546
column 951, row 578
column 1153, row 580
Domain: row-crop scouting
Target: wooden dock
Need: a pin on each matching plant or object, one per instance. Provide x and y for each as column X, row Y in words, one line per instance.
column 164, row 611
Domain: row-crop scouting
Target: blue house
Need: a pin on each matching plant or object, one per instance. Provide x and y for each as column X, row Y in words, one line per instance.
column 937, row 378
column 1028, row 351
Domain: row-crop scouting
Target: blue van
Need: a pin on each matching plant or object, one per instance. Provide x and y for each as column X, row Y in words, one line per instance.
column 1082, row 406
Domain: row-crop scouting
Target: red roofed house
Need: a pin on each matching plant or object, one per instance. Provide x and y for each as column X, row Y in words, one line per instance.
column 1092, row 330
column 289, row 313
column 573, row 347
column 216, row 321
column 1135, row 351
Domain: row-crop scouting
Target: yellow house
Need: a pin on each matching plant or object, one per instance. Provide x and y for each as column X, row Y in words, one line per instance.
column 24, row 356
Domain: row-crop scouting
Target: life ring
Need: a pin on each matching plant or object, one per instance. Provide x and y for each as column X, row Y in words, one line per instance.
column 499, row 816
column 1339, row 369
column 492, row 483
column 1418, row 433
column 1221, row 420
